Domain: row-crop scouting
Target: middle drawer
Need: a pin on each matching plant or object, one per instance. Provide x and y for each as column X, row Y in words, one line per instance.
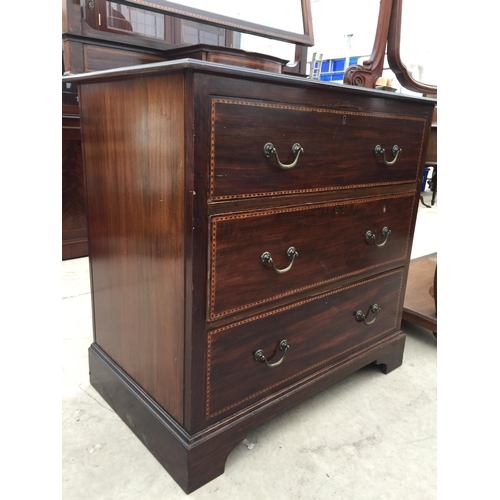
column 261, row 256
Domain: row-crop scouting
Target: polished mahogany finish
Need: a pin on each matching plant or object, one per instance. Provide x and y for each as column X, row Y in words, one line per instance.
column 183, row 301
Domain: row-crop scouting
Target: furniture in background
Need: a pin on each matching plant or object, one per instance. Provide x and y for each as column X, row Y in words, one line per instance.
column 420, row 304
column 250, row 235
column 74, row 218
column 431, row 160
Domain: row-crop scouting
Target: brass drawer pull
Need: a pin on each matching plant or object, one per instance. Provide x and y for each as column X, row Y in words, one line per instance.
column 270, row 150
column 369, row 236
column 361, row 317
column 379, row 150
column 259, row 355
column 267, row 259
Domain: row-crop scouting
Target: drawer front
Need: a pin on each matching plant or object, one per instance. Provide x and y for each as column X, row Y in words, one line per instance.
column 320, row 332
column 329, row 238
column 338, row 149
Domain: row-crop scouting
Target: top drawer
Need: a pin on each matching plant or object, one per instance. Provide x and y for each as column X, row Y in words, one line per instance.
column 338, row 149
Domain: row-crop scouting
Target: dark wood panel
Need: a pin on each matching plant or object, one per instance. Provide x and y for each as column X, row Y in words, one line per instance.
column 99, row 58
column 431, row 157
column 74, row 218
column 236, row 379
column 228, row 55
column 239, row 279
column 135, row 197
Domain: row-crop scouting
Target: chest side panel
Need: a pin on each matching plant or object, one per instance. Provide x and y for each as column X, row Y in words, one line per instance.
column 134, row 156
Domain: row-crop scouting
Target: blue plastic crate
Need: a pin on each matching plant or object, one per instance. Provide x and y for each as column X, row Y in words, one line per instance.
column 424, row 178
column 338, row 65
column 333, row 69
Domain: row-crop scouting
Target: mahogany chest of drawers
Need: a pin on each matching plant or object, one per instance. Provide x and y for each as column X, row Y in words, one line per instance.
column 249, row 239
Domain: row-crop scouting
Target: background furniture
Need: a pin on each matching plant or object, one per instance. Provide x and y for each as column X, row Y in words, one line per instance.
column 74, row 220
column 250, row 234
column 431, row 160
column 420, row 305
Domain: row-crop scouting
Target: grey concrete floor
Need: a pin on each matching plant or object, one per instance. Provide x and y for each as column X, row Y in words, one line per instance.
column 370, row 436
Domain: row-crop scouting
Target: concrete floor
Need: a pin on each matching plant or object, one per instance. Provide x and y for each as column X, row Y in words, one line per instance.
column 370, row 436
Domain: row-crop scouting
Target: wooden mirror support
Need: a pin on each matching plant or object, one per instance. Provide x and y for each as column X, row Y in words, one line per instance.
column 388, row 36
column 394, row 54
column 367, row 73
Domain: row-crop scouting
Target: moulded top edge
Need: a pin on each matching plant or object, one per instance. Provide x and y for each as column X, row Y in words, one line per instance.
column 225, row 69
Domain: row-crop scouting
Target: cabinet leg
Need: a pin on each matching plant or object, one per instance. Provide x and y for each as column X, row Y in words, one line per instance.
column 392, row 355
column 192, row 461
column 208, row 460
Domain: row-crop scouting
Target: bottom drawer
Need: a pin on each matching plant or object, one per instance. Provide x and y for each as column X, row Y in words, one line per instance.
column 320, row 331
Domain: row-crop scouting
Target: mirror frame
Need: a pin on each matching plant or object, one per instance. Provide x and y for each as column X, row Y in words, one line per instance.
column 388, row 35
column 206, row 17
column 394, row 54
